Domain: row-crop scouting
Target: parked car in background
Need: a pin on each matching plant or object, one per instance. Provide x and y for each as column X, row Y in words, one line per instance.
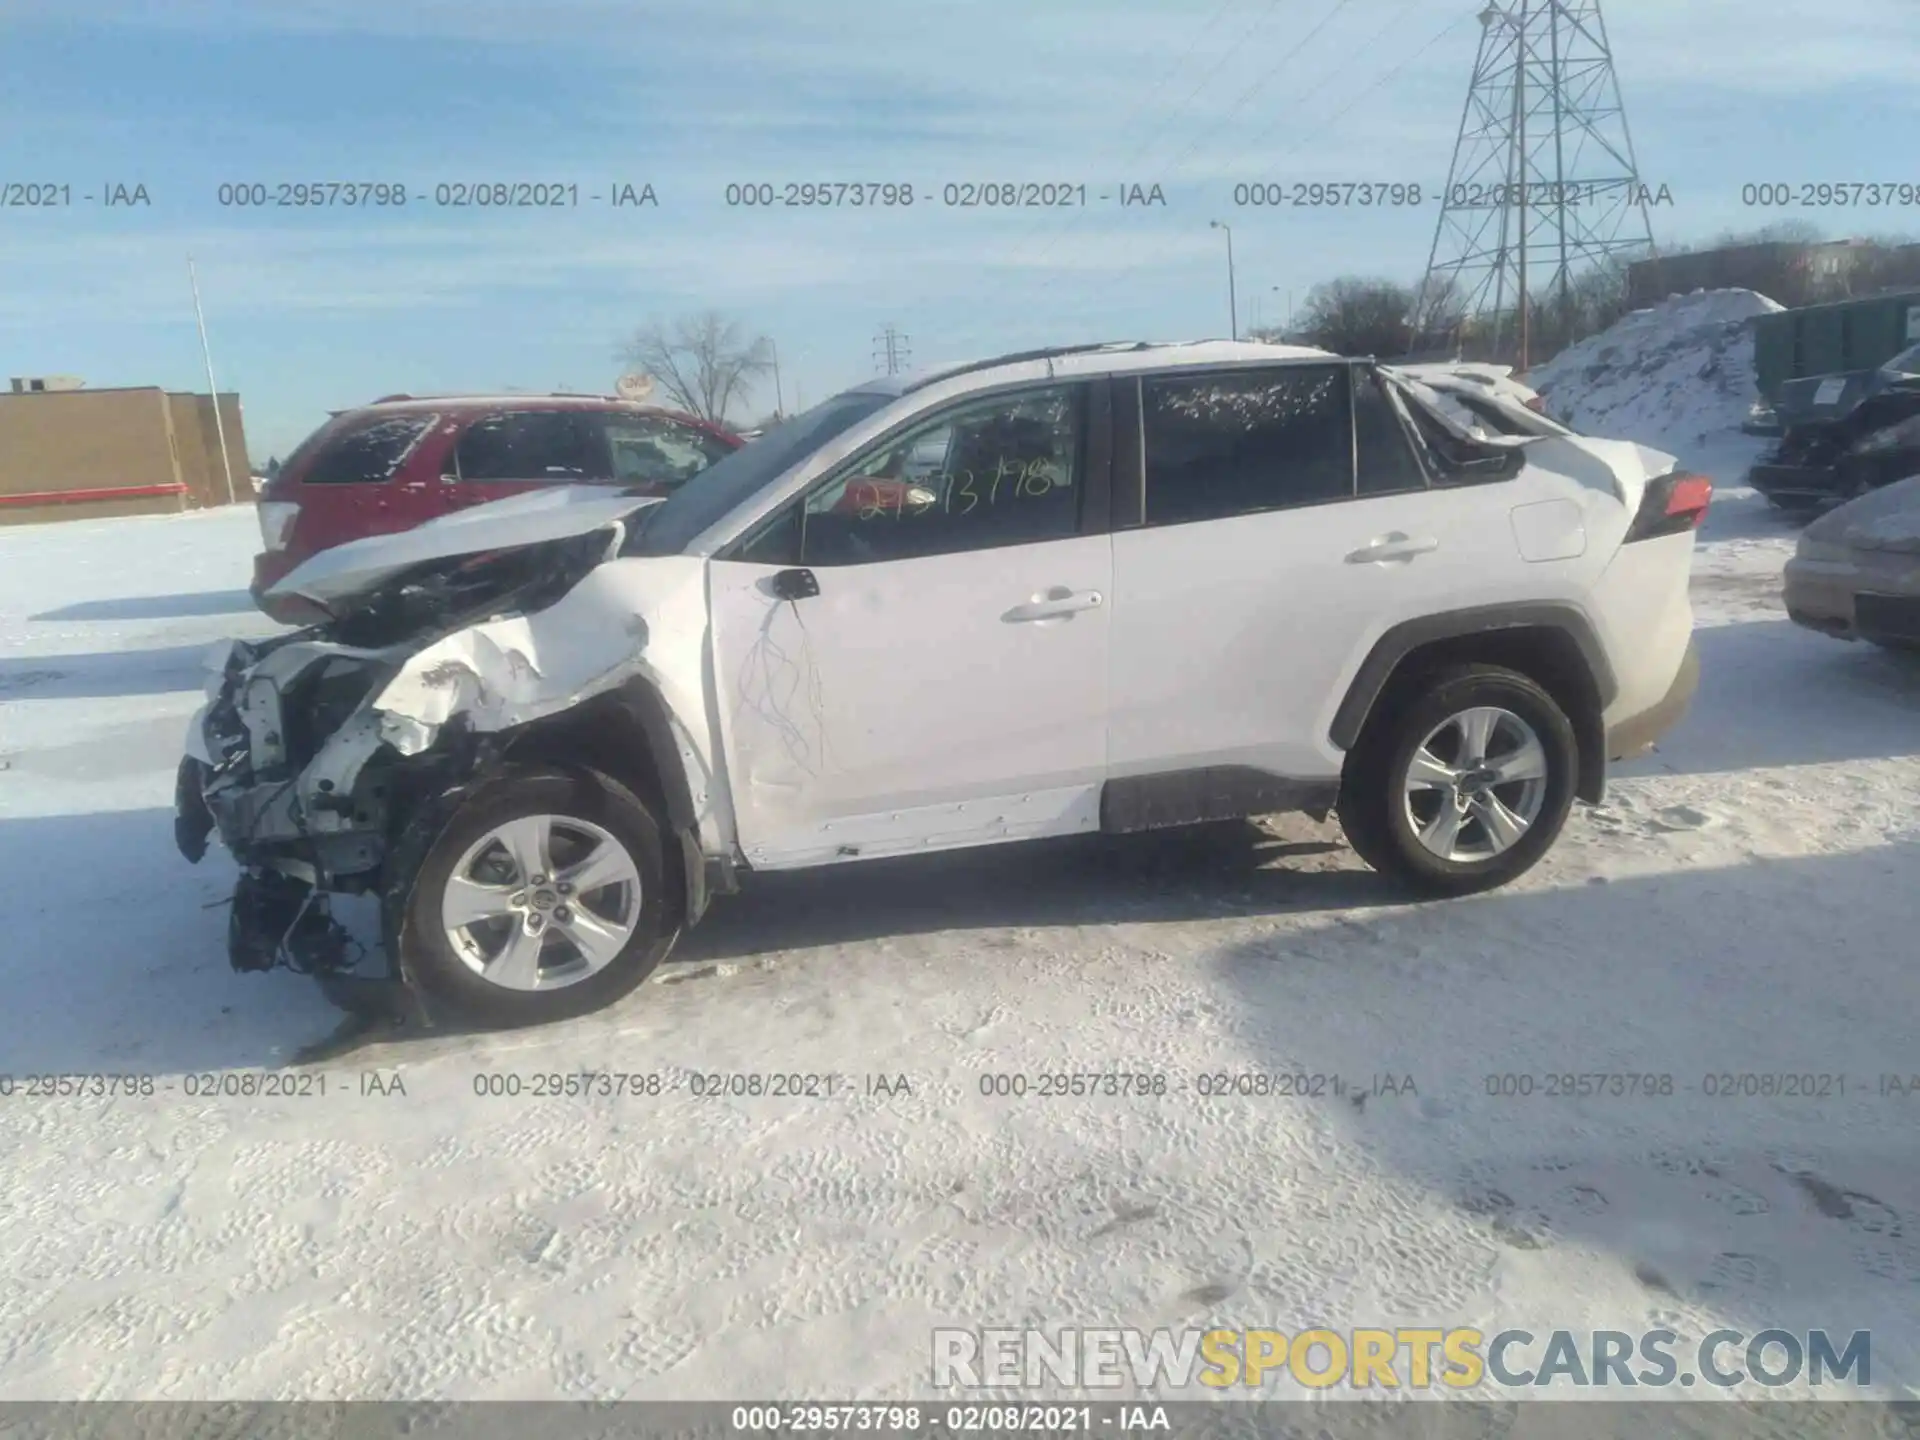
column 1856, row 571
column 1843, row 435
column 402, row 460
column 1118, row 588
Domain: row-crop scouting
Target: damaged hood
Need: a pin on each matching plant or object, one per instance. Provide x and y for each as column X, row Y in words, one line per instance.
column 361, row 567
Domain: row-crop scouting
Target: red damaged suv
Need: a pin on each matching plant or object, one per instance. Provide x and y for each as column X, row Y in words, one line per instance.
column 400, row 461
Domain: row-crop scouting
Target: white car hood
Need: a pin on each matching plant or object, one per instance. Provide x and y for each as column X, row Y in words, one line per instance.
column 361, row 565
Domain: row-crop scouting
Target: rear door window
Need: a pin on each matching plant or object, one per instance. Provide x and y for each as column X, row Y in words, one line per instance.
column 1237, row 442
column 658, row 452
column 554, row 447
column 369, row 454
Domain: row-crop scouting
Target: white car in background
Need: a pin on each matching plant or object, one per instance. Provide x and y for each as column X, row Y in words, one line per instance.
column 1100, row 588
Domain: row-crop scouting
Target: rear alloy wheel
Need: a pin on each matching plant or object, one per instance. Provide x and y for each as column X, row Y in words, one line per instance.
column 543, row 897
column 1464, row 785
column 1475, row 784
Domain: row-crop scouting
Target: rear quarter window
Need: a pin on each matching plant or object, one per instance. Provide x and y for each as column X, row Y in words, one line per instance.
column 368, row 454
column 650, row 451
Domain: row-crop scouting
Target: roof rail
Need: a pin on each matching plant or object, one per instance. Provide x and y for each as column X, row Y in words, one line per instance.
column 384, row 399
column 1049, row 353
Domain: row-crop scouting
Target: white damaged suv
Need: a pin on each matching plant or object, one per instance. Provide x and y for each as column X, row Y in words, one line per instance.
column 1098, row 588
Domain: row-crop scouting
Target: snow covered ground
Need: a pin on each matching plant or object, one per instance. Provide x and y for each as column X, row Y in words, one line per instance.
column 1744, row 902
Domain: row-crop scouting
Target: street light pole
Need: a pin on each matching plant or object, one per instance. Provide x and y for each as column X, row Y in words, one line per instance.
column 1233, row 301
column 219, row 426
column 779, row 403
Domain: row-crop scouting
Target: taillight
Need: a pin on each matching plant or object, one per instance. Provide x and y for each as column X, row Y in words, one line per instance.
column 276, row 522
column 1672, row 504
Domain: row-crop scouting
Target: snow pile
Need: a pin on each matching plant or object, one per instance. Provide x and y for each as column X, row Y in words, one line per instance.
column 1676, row 375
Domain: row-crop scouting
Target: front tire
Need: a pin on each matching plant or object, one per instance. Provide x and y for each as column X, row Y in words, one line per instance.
column 1463, row 784
column 544, row 896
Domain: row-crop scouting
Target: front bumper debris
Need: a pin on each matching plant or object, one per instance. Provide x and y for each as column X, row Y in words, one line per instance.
column 276, row 919
column 192, row 820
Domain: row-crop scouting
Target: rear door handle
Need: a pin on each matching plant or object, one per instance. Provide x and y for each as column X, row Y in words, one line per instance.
column 1394, row 546
column 1054, row 604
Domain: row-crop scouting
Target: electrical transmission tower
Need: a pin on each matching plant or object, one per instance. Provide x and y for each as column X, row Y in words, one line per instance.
column 1543, row 184
column 891, row 350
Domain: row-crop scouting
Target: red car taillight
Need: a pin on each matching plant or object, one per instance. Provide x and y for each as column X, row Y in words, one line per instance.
column 1690, row 497
column 1672, row 503
column 276, row 522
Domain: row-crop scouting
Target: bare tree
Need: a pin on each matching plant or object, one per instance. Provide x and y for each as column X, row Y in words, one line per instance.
column 1892, row 262
column 1353, row 316
column 704, row 363
column 1437, row 312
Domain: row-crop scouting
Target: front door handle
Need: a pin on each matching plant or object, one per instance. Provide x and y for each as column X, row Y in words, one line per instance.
column 1396, row 545
column 1054, row 604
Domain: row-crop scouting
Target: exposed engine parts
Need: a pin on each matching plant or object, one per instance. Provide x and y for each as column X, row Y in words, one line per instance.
column 278, row 920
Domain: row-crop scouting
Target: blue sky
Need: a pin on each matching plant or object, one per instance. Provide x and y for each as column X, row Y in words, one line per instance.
column 314, row 309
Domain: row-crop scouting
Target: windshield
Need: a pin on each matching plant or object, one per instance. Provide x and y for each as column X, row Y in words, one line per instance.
column 706, row 498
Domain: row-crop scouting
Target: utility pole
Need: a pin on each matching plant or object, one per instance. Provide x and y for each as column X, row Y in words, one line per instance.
column 891, row 350
column 1543, row 177
column 213, row 390
column 1520, row 151
column 779, row 403
column 1233, row 301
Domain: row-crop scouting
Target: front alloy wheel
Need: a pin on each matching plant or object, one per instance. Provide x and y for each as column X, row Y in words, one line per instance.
column 543, row 896
column 541, row 902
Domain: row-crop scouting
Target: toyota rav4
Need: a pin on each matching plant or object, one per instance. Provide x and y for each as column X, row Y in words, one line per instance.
column 1099, row 588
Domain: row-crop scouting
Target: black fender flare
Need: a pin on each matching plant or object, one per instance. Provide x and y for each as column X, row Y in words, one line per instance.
column 1411, row 636
column 627, row 732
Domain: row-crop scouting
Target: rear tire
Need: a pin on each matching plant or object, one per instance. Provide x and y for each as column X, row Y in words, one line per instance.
column 544, row 896
column 1421, row 809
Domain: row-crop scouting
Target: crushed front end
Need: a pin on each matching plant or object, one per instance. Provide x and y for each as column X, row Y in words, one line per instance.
column 313, row 786
column 285, row 764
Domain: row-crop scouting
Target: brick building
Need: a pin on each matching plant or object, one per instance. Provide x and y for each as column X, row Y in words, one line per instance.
column 136, row 451
column 1791, row 272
